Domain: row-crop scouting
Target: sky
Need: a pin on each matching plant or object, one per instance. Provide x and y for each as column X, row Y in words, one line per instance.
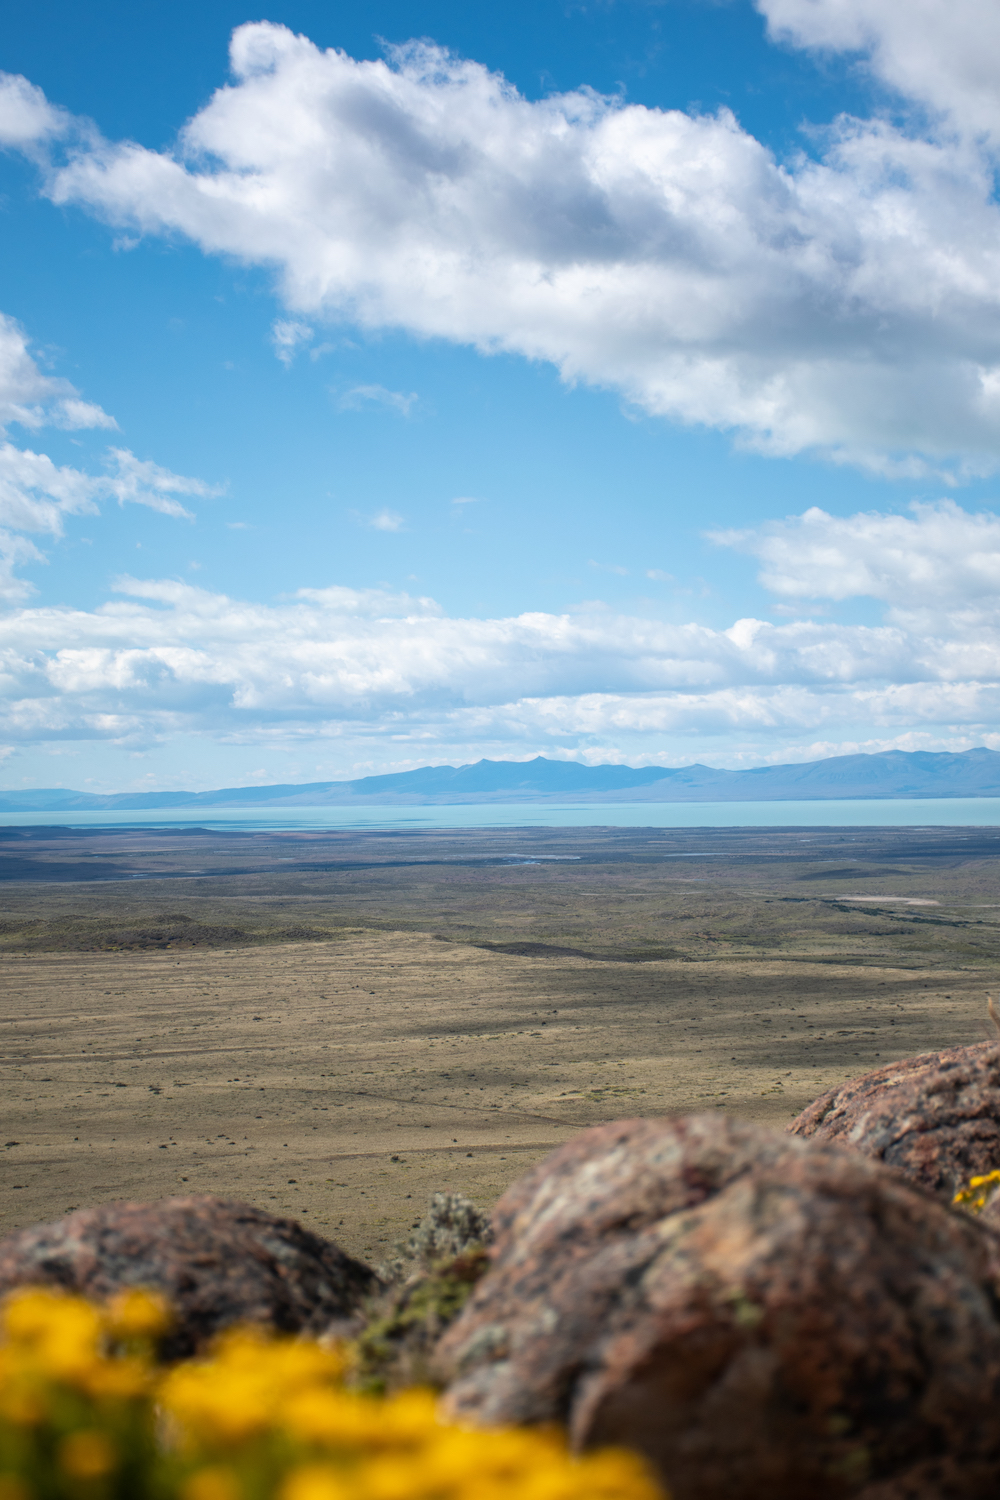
column 397, row 383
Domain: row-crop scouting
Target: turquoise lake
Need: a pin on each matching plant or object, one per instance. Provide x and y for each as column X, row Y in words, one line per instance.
column 870, row 813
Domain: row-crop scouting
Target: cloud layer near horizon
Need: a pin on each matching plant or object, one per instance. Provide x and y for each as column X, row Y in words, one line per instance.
column 167, row 657
column 846, row 302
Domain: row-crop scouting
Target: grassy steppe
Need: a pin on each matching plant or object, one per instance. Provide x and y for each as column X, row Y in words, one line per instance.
column 337, row 1025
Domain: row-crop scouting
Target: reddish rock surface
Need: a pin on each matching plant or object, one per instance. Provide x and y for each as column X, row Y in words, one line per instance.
column 935, row 1118
column 218, row 1262
column 766, row 1318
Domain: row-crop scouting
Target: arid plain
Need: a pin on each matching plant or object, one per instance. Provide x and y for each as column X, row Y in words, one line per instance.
column 335, row 1025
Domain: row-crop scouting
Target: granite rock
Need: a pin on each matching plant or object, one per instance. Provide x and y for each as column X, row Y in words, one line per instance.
column 935, row 1118
column 218, row 1263
column 762, row 1316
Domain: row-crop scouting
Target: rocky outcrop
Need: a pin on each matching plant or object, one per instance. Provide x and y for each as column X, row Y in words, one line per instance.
column 936, row 1117
column 760, row 1315
column 216, row 1261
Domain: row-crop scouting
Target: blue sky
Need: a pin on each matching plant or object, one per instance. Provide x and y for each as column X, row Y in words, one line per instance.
column 612, row 381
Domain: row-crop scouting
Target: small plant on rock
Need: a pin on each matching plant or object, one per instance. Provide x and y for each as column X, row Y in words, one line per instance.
column 429, row 1278
column 977, row 1193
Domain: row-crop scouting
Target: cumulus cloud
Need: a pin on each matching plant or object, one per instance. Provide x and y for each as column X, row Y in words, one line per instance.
column 941, row 53
column 26, row 116
column 937, row 555
column 846, row 302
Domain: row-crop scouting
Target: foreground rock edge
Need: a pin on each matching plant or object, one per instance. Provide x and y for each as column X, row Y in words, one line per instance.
column 756, row 1313
column 219, row 1262
column 934, row 1117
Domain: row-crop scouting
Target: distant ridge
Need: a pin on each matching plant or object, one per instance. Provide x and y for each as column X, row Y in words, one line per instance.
column 889, row 773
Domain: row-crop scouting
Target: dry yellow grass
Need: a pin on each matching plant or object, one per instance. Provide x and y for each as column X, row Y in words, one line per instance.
column 342, row 1082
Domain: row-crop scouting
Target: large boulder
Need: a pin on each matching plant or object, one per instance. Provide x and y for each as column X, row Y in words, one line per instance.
column 935, row 1118
column 761, row 1316
column 217, row 1262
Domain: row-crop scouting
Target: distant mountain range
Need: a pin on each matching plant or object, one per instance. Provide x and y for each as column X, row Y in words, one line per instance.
column 891, row 773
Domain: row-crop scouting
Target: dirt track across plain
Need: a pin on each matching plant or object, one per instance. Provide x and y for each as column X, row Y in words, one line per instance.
column 342, row 1082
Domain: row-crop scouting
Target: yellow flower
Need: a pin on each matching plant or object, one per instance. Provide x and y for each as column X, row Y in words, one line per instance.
column 977, row 1192
column 118, row 1379
column 61, row 1333
column 22, row 1400
column 614, row 1472
column 315, row 1482
column 138, row 1313
column 260, row 1419
column 87, row 1455
column 247, row 1386
column 333, row 1417
column 216, row 1483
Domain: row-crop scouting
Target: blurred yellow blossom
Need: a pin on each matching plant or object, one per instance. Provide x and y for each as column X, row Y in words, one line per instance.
column 137, row 1313
column 87, row 1454
column 977, row 1192
column 82, row 1403
column 247, row 1386
column 216, row 1483
column 317, row 1482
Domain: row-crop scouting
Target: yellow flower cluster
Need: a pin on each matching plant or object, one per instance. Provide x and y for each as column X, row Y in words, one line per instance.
column 77, row 1416
column 977, row 1192
column 85, row 1415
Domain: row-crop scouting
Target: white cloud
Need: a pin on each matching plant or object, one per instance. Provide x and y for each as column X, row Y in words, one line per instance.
column 32, row 399
column 937, row 555
column 942, row 53
column 26, row 116
column 387, row 520
column 145, row 483
column 287, row 336
column 167, row 657
column 14, row 552
column 848, row 304
column 360, row 396
column 36, row 494
column 382, row 520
